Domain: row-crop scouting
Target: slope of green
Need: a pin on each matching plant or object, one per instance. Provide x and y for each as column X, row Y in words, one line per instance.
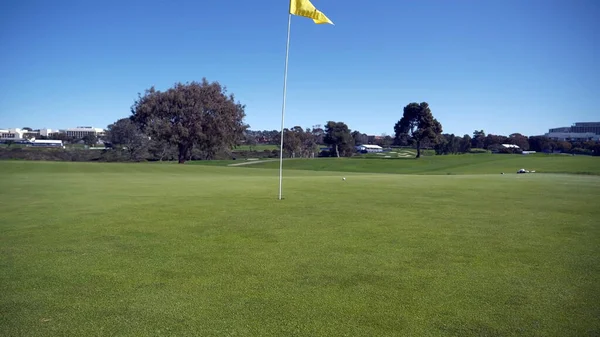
column 460, row 164
column 258, row 147
column 91, row 249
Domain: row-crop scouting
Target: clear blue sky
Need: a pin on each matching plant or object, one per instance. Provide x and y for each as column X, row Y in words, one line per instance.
column 502, row 66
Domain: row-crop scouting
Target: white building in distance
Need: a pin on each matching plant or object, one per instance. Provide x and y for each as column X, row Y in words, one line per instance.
column 12, row 134
column 17, row 134
column 577, row 132
column 82, row 131
column 20, row 134
column 368, row 148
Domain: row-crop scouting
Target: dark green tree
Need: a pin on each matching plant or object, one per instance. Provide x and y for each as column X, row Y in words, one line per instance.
column 90, row 139
column 519, row 140
column 338, row 136
column 491, row 140
column 478, row 140
column 196, row 115
column 441, row 146
column 292, row 141
column 360, row 138
column 299, row 143
column 318, row 134
column 465, row 144
column 387, row 140
column 447, row 144
column 541, row 144
column 125, row 135
column 418, row 125
column 310, row 147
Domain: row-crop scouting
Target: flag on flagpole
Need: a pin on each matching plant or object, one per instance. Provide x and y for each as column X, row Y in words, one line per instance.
column 306, row 9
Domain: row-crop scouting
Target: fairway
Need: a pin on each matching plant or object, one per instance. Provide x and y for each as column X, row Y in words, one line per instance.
column 461, row 164
column 92, row 249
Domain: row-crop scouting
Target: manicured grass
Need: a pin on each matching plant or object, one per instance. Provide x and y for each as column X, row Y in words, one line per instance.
column 259, row 147
column 91, row 249
column 455, row 164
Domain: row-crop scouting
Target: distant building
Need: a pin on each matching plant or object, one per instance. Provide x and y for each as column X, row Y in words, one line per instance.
column 47, row 132
column 46, row 143
column 582, row 132
column 20, row 134
column 368, row 148
column 82, row 131
column 12, row 134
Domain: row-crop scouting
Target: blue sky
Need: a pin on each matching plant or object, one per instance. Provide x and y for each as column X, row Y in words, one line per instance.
column 502, row 66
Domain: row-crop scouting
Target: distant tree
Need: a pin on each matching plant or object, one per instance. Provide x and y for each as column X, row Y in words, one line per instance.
column 519, row 140
column 590, row 145
column 491, row 139
column 465, row 144
column 360, row 138
column 447, row 144
column 250, row 141
column 441, row 146
column 338, row 136
column 264, row 136
column 596, row 149
column 541, row 144
column 401, row 140
column 318, row 134
column 125, row 135
column 27, row 128
column 356, row 136
column 418, row 125
column 90, row 139
column 478, row 140
column 564, row 146
column 292, row 141
column 387, row 140
column 497, row 148
column 454, row 144
column 299, row 143
column 192, row 115
column 309, row 144
column 273, row 137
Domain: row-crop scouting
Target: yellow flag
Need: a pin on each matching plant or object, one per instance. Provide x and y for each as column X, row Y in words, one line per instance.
column 306, row 9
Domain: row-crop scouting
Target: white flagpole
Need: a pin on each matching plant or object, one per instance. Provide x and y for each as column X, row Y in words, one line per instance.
column 287, row 51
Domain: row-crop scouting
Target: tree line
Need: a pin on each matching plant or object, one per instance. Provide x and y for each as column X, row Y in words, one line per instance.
column 451, row 144
column 200, row 120
column 419, row 129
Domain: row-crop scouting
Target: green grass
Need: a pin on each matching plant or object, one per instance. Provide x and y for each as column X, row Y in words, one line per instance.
column 453, row 164
column 260, row 147
column 395, row 153
column 91, row 249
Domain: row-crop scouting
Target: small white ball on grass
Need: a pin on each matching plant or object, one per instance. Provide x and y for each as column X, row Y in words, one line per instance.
column 343, row 178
